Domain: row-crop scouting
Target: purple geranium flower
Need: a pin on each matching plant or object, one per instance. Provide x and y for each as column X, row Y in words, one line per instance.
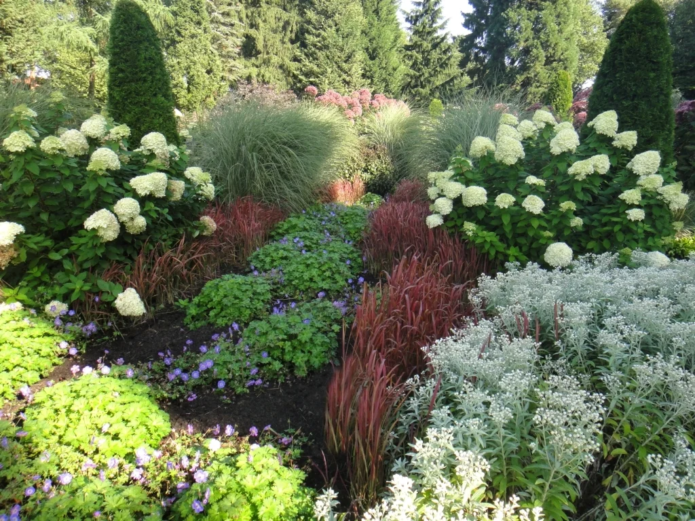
column 29, row 491
column 228, row 430
column 65, row 478
column 253, row 431
column 221, row 384
column 197, row 507
column 200, row 476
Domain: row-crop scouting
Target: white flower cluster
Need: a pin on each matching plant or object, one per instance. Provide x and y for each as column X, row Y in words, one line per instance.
column 509, row 119
column 452, row 189
column 103, row 159
column 118, row 133
column 203, row 181
column 509, row 151
column 480, row 146
column 175, row 188
column 558, row 255
column 568, row 206
column 635, row 214
column 605, row 123
column 129, row 303
column 626, row 140
column 75, row 143
column 154, row 184
column 94, row 127
column 567, row 140
column 633, row 196
column 673, row 196
column 105, row 223
column 564, row 125
column 527, row 129
column 155, row 143
column 128, row 212
column 55, row 308
column 534, row 181
column 508, row 131
column 434, row 220
column 505, row 201
column 51, row 145
column 533, row 204
column 209, row 225
column 542, row 118
column 675, row 474
column 646, row 163
column 474, row 196
column 18, row 141
column 469, row 228
column 24, row 112
column 443, row 206
column 9, row 231
column 651, row 183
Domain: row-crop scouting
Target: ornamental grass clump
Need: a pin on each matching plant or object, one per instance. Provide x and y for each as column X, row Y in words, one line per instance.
column 82, row 202
column 539, row 193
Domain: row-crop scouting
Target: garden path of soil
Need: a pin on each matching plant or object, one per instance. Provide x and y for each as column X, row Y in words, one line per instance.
column 297, row 403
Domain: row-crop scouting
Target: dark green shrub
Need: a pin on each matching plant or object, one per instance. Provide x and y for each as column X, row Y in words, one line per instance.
column 635, row 79
column 683, row 38
column 560, row 95
column 139, row 89
column 231, row 298
column 682, row 247
column 684, row 144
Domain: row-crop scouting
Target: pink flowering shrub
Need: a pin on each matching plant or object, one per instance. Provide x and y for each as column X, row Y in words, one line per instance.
column 580, row 105
column 357, row 104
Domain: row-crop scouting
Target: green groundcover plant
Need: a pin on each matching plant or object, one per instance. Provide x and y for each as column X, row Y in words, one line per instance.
column 77, row 201
column 537, row 192
column 231, row 298
column 30, row 346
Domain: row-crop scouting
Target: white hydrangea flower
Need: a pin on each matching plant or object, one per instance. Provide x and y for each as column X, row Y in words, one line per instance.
column 509, row 119
column 154, row 184
column 126, row 209
column 14, row 306
column 18, row 142
column 432, row 177
column 137, row 225
column 581, row 169
column 509, row 151
column 9, row 231
column 118, row 132
column 651, row 183
column 633, row 196
column 558, row 255
column 533, row 204
column 55, row 308
column 508, row 131
column 576, row 222
column 505, row 201
column 196, row 175
column 605, row 123
column 527, row 129
column 103, row 159
column 678, row 225
column 673, row 195
column 626, row 140
column 105, row 223
column 129, row 303
column 474, row 196
column 434, row 220
column 75, row 143
column 443, row 206
column 480, row 146
column 207, row 190
column 652, row 259
column 602, row 163
column 51, row 145
column 646, row 163
column 175, row 189
column 567, row 140
column 7, row 253
column 636, row 214
column 563, row 126
column 542, row 118
column 156, row 143
column 433, row 192
column 568, row 206
column 469, row 228
column 209, row 224
column 534, row 181
column 452, row 189
column 24, row 112
column 94, row 127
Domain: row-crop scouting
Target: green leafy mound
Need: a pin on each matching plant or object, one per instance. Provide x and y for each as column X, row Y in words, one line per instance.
column 231, row 298
column 252, row 486
column 29, row 349
column 347, row 222
column 94, row 417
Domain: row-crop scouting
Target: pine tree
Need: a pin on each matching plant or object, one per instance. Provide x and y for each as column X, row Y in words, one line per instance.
column 430, row 55
column 139, row 92
column 269, row 41
column 683, row 39
column 196, row 72
column 559, row 94
column 20, row 49
column 614, row 10
column 227, row 29
column 635, row 79
column 550, row 37
column 331, row 54
column 486, row 46
column 383, row 45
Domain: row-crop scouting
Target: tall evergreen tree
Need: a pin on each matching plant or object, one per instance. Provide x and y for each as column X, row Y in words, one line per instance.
column 635, row 79
column 227, row 29
column 683, row 39
column 485, row 48
column 430, row 54
column 559, row 95
column 196, row 72
column 547, row 40
column 331, row 54
column 614, row 10
column 269, row 41
column 383, row 45
column 139, row 92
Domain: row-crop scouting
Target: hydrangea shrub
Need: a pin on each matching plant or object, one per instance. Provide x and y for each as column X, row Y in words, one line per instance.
column 538, row 186
column 77, row 201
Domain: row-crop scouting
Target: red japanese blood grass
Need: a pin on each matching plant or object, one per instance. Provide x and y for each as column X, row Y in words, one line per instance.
column 398, row 230
column 409, row 190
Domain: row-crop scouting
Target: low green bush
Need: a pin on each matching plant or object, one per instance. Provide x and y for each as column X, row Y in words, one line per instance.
column 279, row 155
column 588, row 197
column 248, row 487
column 346, row 222
column 76, row 203
column 96, row 417
column 231, row 298
column 681, row 247
column 30, row 346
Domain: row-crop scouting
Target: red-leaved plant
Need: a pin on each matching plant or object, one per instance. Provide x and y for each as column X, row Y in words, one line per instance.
column 344, row 192
column 409, row 190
